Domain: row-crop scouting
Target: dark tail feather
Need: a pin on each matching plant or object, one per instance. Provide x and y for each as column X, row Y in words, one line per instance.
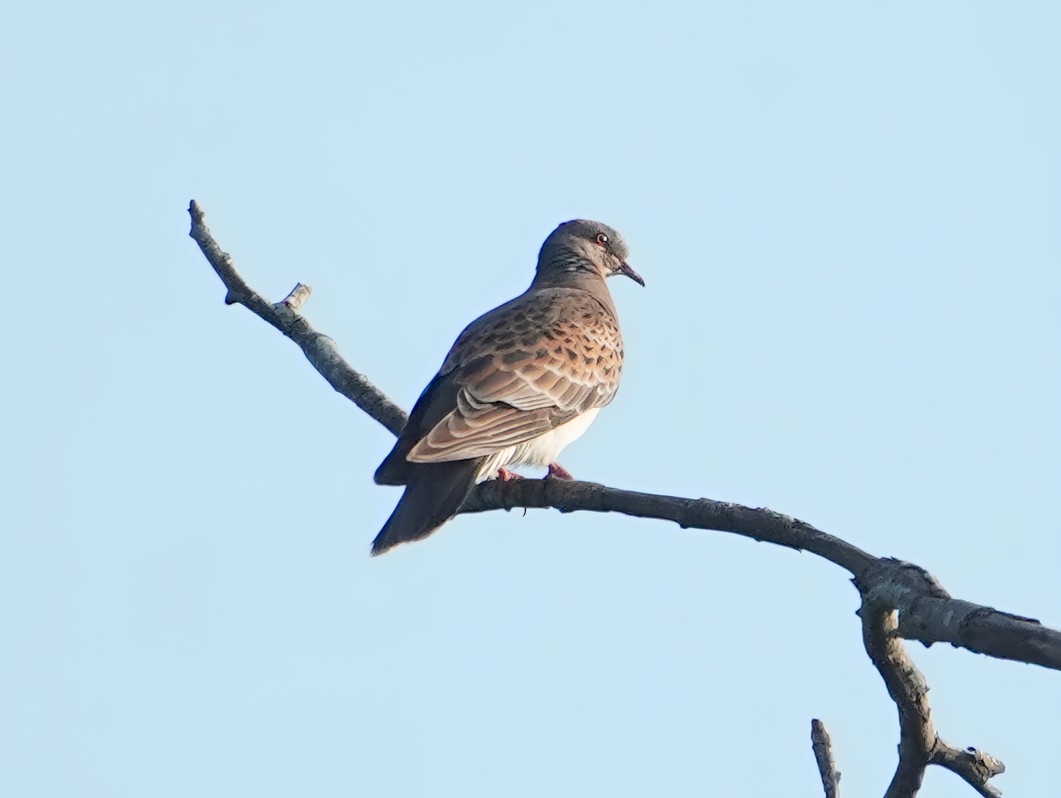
column 433, row 495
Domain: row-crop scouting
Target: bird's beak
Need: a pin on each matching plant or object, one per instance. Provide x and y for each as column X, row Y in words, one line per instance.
column 624, row 268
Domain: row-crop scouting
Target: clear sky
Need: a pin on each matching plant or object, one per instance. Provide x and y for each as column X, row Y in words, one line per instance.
column 847, row 215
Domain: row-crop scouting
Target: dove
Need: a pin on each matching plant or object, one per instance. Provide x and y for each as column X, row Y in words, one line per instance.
column 520, row 383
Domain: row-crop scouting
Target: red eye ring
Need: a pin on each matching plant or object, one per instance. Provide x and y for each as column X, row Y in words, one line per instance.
column 602, row 240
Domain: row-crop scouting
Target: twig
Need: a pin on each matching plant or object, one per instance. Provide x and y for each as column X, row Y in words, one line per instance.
column 972, row 764
column 823, row 755
column 319, row 349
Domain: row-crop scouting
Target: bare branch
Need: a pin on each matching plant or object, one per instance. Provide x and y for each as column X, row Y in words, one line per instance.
column 893, row 580
column 919, row 745
column 319, row 349
column 823, row 755
column 906, row 686
column 760, row 524
column 928, row 614
column 973, row 765
column 898, row 599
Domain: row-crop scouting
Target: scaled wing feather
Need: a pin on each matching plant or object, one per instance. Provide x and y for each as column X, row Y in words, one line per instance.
column 521, row 384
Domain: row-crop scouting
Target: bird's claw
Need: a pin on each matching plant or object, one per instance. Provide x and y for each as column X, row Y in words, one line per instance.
column 559, row 472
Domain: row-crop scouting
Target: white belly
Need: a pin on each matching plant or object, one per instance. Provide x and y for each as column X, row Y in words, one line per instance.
column 540, row 451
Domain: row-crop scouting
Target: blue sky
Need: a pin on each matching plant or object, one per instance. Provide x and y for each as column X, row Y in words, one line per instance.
column 847, row 218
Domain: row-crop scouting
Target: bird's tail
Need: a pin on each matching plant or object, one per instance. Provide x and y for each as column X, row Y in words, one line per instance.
column 432, row 496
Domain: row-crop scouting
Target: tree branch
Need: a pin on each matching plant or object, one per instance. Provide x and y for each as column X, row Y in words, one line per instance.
column 919, row 745
column 929, row 614
column 319, row 349
column 899, row 600
column 823, row 755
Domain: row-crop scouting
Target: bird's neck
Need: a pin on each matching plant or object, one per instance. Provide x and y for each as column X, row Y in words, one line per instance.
column 578, row 279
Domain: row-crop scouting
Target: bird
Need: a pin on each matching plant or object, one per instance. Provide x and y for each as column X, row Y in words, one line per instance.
column 520, row 383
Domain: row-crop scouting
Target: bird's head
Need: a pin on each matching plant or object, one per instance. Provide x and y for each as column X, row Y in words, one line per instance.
column 582, row 246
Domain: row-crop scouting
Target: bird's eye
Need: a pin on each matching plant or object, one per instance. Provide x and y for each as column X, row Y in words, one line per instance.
column 602, row 239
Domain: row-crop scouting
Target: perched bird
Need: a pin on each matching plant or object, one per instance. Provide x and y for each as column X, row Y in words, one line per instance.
column 520, row 383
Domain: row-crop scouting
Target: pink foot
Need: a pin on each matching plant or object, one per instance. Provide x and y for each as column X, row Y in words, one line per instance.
column 559, row 472
column 506, row 476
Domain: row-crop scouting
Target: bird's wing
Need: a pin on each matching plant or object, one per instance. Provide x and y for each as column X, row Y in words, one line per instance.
column 522, row 370
column 435, row 403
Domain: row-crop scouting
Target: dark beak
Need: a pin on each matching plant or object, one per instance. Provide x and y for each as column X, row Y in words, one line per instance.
column 624, row 268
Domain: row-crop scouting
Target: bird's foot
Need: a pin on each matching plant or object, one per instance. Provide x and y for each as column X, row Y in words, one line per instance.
column 507, row 476
column 559, row 472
